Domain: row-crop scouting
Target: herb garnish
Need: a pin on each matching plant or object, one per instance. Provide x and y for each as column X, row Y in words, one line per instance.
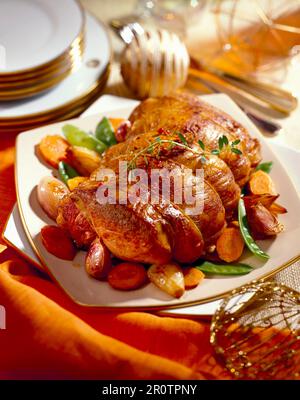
column 266, row 167
column 148, row 151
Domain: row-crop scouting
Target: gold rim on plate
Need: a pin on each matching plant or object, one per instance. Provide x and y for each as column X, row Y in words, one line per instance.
column 51, row 114
column 15, row 123
column 43, row 71
column 40, row 82
column 30, row 72
column 74, row 56
column 66, row 112
column 40, row 86
column 20, row 252
column 71, row 114
column 64, row 116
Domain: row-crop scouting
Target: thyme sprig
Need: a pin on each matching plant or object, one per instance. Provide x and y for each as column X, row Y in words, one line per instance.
column 149, row 150
column 157, row 144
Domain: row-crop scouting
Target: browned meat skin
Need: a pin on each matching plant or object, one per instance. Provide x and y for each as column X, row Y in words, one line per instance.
column 74, row 221
column 211, row 221
column 216, row 171
column 185, row 237
column 197, row 120
column 218, row 174
column 152, row 233
column 187, row 231
column 156, row 224
column 131, row 232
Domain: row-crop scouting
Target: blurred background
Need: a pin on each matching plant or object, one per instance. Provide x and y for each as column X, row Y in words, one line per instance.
column 229, row 34
column 259, row 39
column 247, row 50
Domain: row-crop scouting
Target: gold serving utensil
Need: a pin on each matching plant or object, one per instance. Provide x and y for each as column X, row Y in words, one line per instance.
column 278, row 98
column 256, row 332
column 255, row 94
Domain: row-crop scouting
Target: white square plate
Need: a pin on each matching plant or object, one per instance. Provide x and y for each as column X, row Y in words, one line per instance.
column 15, row 236
column 71, row 276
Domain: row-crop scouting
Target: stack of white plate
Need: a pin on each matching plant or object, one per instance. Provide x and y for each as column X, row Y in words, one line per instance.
column 54, row 61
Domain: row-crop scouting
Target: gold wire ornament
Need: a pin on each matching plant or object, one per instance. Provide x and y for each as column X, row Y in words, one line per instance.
column 256, row 332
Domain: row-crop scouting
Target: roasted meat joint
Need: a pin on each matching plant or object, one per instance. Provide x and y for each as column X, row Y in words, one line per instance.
column 143, row 222
column 157, row 233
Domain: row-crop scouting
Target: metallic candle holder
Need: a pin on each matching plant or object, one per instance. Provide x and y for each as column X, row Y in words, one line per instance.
column 256, row 332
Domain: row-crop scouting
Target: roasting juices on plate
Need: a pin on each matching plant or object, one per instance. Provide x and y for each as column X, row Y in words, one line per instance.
column 176, row 192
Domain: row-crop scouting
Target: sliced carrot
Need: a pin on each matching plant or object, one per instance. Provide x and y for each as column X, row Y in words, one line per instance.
column 54, row 149
column 261, row 183
column 58, row 242
column 116, row 122
column 74, row 182
column 234, row 223
column 192, row 277
column 127, row 276
column 230, row 245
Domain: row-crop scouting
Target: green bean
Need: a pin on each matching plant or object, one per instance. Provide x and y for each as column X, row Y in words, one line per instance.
column 105, row 132
column 244, row 228
column 224, row 269
column 66, row 172
column 77, row 137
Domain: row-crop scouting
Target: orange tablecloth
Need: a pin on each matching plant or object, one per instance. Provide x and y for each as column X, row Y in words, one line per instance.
column 48, row 336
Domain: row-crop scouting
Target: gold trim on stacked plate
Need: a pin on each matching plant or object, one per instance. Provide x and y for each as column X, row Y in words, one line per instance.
column 69, row 110
column 36, row 81
column 30, row 82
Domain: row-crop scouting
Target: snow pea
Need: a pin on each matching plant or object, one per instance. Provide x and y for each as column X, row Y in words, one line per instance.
column 224, row 269
column 244, row 228
column 66, row 172
column 266, row 167
column 105, row 132
column 77, row 137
